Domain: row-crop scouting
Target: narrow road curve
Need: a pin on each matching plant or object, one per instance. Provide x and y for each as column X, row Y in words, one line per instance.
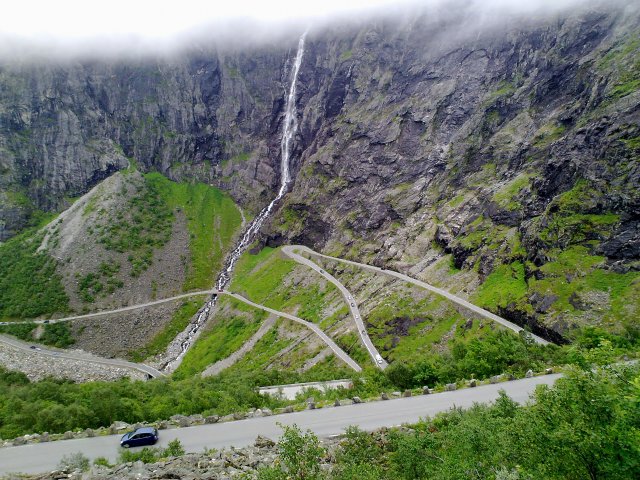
column 312, row 326
column 117, row 310
column 220, row 365
column 377, row 359
column 57, row 354
column 324, row 422
column 469, row 306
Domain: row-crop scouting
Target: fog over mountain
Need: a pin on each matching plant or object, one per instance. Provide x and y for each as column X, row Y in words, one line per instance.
column 72, row 29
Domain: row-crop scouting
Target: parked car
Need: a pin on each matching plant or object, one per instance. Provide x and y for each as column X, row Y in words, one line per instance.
column 379, row 359
column 139, row 437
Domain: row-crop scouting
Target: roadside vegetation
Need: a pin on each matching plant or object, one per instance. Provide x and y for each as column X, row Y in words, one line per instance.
column 265, row 278
column 54, row 334
column 29, row 284
column 586, row 426
column 223, row 335
column 178, row 323
column 56, row 406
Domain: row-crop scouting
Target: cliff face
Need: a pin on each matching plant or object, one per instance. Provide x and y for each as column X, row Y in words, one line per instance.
column 64, row 127
column 505, row 154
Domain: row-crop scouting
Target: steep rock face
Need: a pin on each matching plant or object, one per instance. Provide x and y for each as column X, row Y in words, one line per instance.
column 508, row 150
column 513, row 147
column 212, row 116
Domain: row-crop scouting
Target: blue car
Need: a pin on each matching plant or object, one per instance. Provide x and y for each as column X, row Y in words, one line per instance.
column 139, row 437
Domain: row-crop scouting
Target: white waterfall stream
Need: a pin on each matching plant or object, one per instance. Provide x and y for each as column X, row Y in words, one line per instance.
column 187, row 337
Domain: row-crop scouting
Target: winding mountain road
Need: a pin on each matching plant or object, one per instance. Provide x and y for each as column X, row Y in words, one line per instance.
column 312, row 326
column 325, row 422
column 290, row 251
column 83, row 357
column 460, row 301
column 117, row 310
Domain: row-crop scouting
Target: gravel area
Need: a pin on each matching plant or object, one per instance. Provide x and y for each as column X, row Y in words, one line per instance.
column 37, row 367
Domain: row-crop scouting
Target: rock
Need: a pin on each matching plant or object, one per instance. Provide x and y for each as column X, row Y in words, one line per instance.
column 89, row 432
column 119, row 426
column 196, row 419
column 407, row 393
column 68, row 435
column 529, row 374
column 264, row 442
column 511, row 377
column 211, row 419
column 548, row 371
column 19, row 441
column 346, row 401
column 356, row 400
column 227, row 418
column 472, row 382
column 288, row 409
column 494, row 379
column 180, row 420
column 450, row 387
column 44, row 437
column 311, row 405
column 266, row 412
column 396, row 394
column 162, row 425
column 336, row 403
column 384, row 396
column 426, row 390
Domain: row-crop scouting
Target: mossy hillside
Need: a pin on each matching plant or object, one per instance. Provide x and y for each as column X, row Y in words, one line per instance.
column 281, row 350
column 213, row 222
column 54, row 334
column 576, row 284
column 270, row 279
column 231, row 326
column 29, row 284
column 178, row 323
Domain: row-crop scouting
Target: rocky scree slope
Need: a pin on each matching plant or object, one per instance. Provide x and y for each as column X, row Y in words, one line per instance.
column 507, row 152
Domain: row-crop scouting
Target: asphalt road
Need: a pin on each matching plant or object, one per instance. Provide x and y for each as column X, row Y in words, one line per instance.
column 312, row 326
column 42, row 457
column 117, row 310
column 83, row 357
column 376, row 358
column 460, row 301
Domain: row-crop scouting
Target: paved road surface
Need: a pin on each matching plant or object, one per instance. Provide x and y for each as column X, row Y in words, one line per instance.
column 312, row 326
column 426, row 286
column 84, row 357
column 43, row 457
column 376, row 358
column 117, row 310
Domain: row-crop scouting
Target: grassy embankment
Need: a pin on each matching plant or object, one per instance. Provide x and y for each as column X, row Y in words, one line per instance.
column 262, row 278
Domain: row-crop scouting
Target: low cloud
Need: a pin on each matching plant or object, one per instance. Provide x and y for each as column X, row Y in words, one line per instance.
column 45, row 29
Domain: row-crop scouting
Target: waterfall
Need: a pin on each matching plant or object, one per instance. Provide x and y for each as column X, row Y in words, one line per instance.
column 186, row 338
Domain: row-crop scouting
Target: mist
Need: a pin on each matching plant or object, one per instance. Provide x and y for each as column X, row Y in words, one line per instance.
column 40, row 30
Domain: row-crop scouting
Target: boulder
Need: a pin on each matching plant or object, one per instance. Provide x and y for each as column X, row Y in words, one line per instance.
column 529, row 374
column 211, row 419
column 450, row 387
column 473, row 382
column 336, row 403
column 68, row 435
column 548, row 371
column 384, row 396
column 264, row 442
column 311, row 405
column 426, row 390
column 357, row 400
column 89, row 432
column 266, row 412
column 44, row 437
column 407, row 393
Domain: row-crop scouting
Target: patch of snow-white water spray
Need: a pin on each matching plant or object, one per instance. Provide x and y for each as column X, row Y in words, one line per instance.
column 185, row 339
